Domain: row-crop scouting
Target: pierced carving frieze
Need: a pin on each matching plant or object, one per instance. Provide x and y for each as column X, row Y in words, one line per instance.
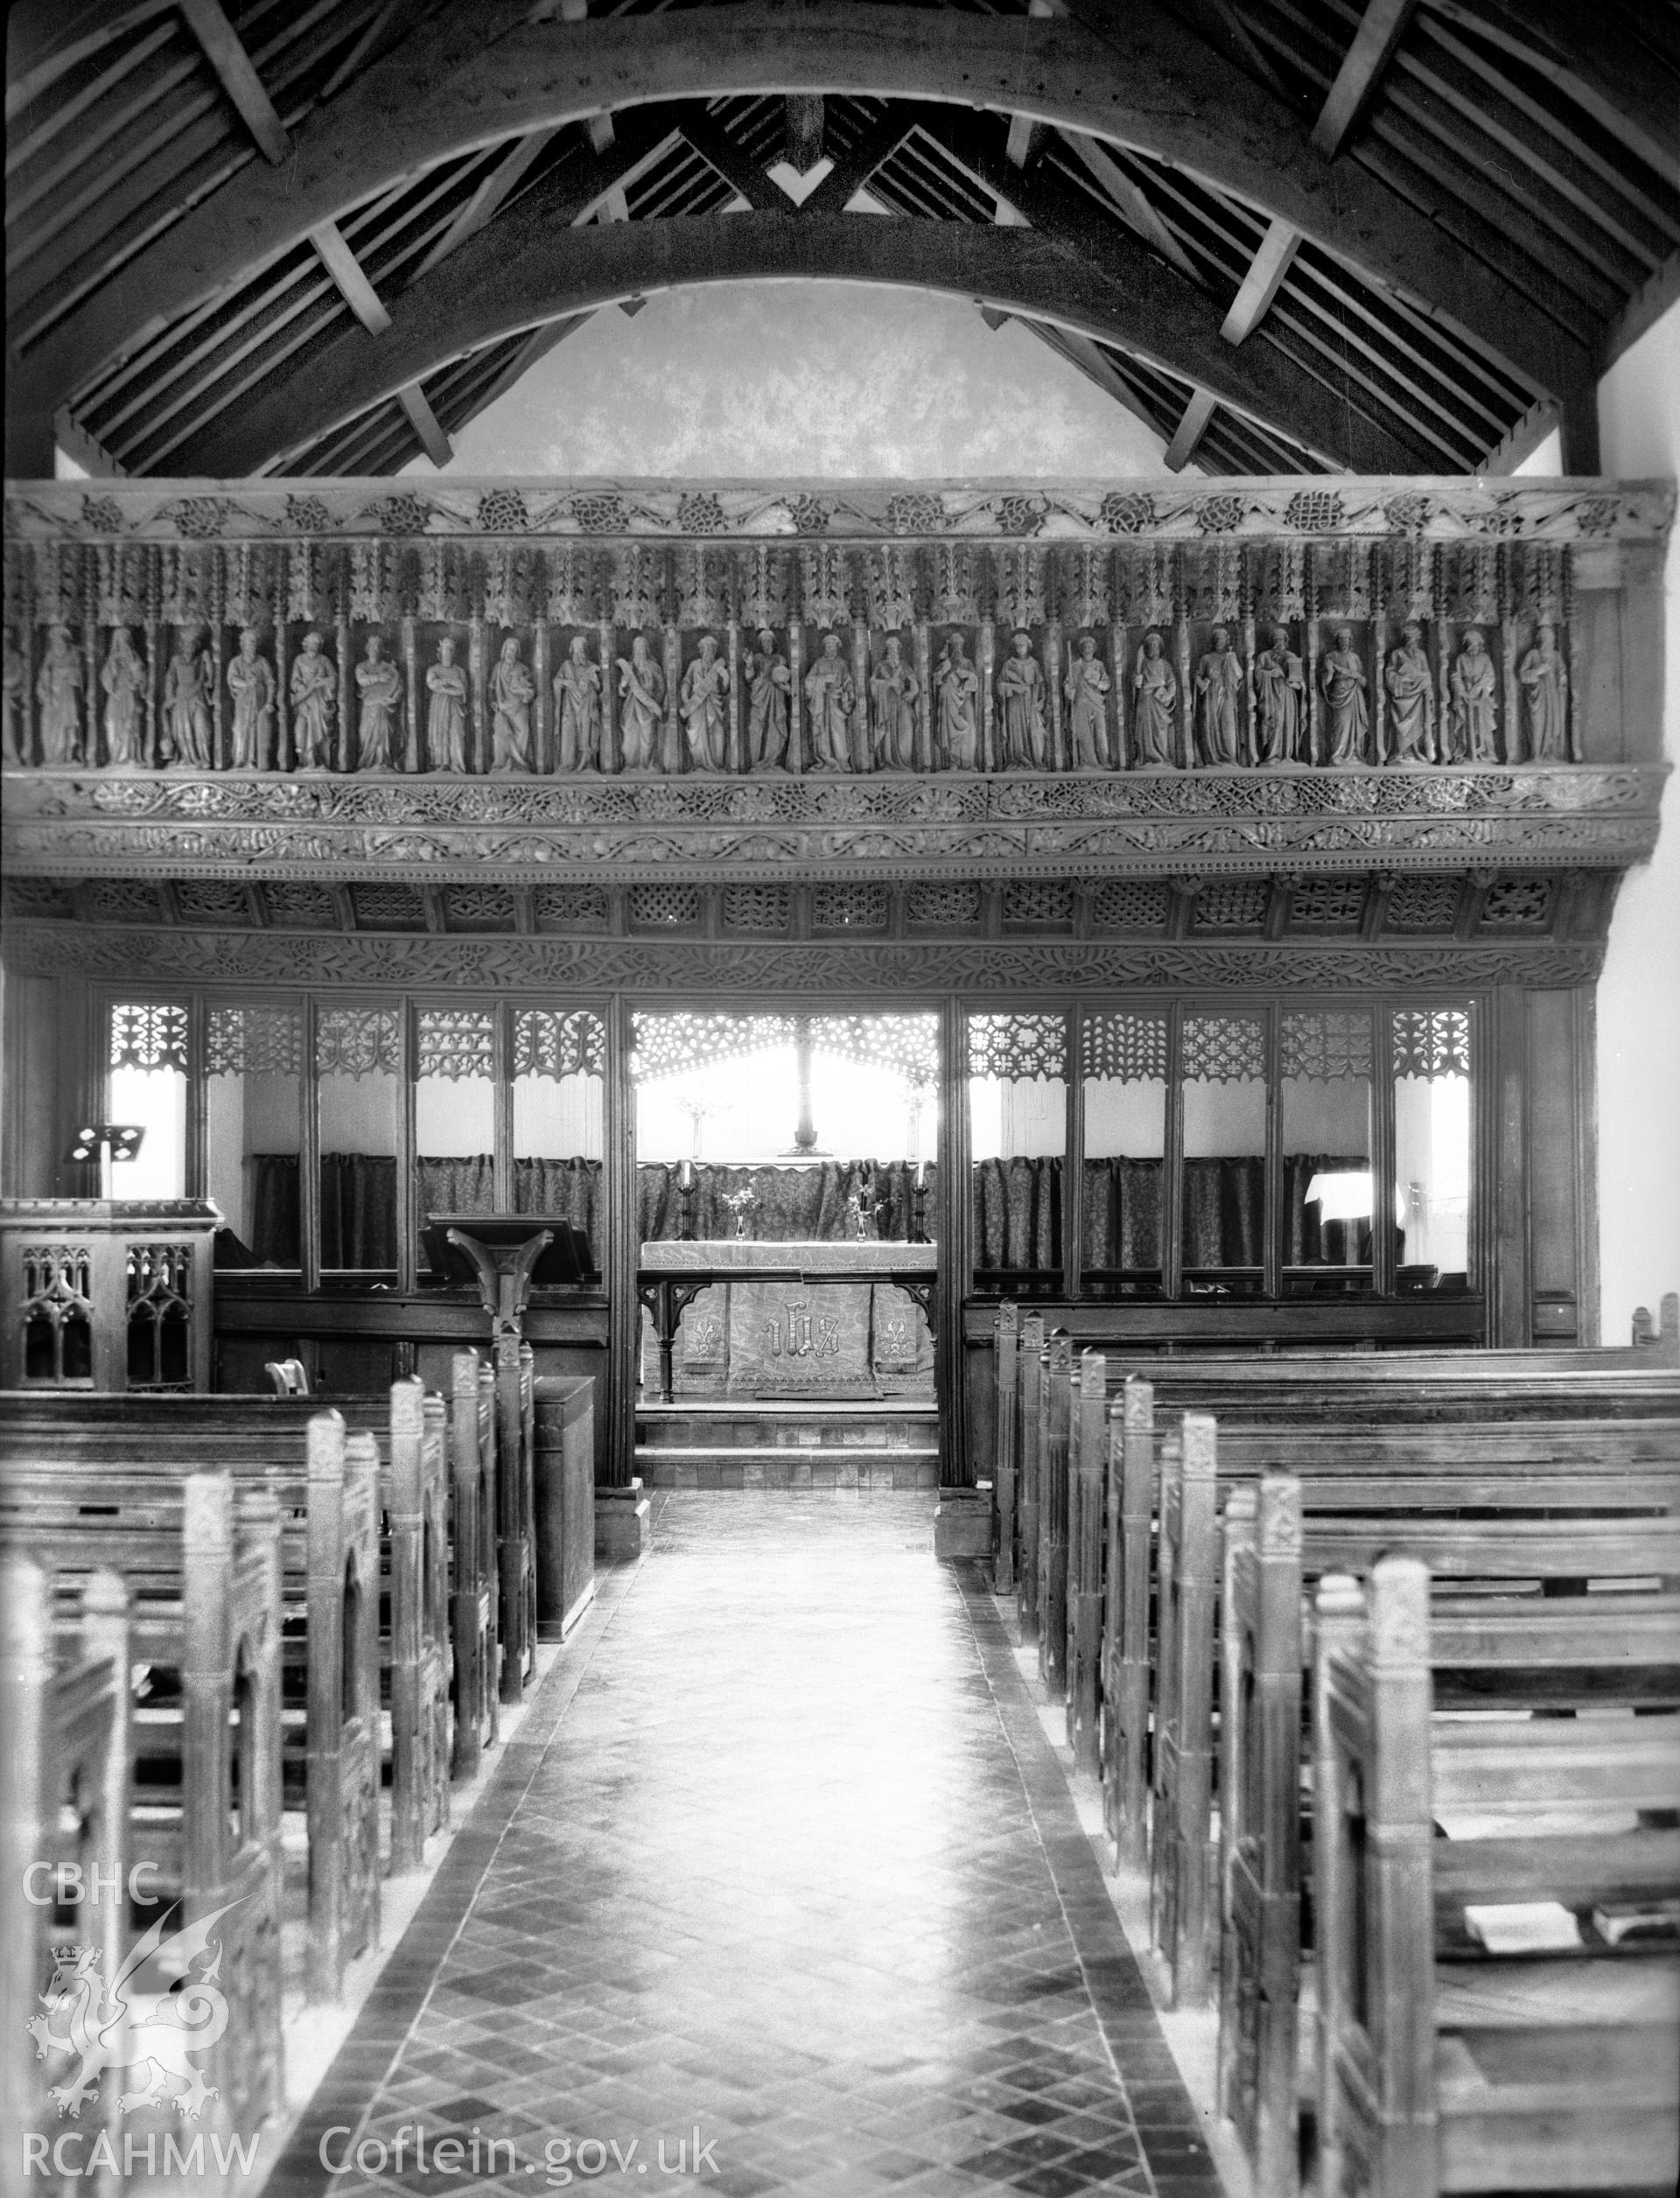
column 1446, row 509
column 491, row 831
column 1073, row 968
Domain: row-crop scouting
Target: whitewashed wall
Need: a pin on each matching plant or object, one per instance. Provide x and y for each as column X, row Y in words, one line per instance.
column 1639, row 996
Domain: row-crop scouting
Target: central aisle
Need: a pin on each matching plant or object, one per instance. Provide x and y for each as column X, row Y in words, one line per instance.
column 771, row 1860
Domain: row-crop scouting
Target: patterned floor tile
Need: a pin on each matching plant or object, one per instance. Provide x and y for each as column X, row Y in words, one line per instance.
column 792, row 1878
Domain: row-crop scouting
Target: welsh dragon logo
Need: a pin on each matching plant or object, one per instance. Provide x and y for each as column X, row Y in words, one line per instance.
column 122, row 2026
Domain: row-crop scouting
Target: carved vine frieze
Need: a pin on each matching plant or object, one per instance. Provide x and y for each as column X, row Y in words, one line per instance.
column 572, row 634
column 487, row 830
column 602, row 965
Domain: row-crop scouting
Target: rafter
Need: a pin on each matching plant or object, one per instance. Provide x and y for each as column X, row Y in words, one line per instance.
column 1379, row 33
column 850, row 174
column 528, row 269
column 1634, row 103
column 464, row 77
column 1381, row 28
column 225, row 53
column 425, row 423
column 1193, row 423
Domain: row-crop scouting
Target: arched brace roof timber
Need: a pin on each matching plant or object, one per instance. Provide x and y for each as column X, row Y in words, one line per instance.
column 464, row 79
column 526, row 270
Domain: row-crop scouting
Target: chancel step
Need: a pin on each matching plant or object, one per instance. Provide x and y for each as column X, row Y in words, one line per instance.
column 795, row 1444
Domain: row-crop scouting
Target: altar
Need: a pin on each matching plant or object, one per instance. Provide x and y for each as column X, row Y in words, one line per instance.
column 833, row 1319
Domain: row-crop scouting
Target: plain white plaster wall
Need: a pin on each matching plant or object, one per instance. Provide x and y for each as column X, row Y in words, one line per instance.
column 794, row 378
column 1639, row 994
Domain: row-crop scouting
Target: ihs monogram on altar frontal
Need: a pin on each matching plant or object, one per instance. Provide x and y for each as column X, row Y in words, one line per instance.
column 797, row 1333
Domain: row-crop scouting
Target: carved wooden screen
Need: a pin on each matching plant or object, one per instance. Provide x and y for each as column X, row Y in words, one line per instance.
column 1017, row 1131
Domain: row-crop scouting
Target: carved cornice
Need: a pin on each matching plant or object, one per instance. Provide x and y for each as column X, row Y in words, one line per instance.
column 519, row 830
column 1449, row 508
column 975, row 968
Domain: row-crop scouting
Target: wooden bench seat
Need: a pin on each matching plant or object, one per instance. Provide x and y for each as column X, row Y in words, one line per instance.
column 1521, row 1652
column 329, row 1646
column 1441, row 2068
column 206, row 1608
column 423, row 1467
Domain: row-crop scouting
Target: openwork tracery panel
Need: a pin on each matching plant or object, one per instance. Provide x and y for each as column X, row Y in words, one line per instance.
column 1328, row 1044
column 1126, row 1047
column 57, row 1312
column 149, row 1035
column 1018, row 1047
column 548, row 1043
column 1432, row 1041
column 907, row 1043
column 1224, row 1048
column 358, row 1041
column 456, row 1042
column 255, row 1042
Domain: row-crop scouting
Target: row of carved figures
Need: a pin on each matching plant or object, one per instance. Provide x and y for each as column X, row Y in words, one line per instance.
column 1257, row 710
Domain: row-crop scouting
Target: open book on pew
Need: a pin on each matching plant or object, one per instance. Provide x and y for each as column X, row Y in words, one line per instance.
column 1523, row 1927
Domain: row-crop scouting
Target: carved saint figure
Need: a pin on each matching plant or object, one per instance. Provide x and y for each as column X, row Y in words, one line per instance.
column 892, row 691
column 1219, row 683
column 1020, row 699
column 959, row 707
column 314, row 703
column 447, row 711
column 1476, row 705
column 512, row 692
column 704, row 685
column 769, row 690
column 832, row 695
column 1156, row 686
column 58, row 689
column 1279, row 700
column 15, row 673
column 186, row 703
column 250, row 682
column 1411, row 697
column 124, row 679
column 1086, row 690
column 379, row 684
column 642, row 684
column 1544, row 683
column 578, row 708
column 1342, row 678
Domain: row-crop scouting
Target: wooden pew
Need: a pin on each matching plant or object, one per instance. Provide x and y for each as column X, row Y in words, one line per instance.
column 1439, row 2068
column 64, row 1703
column 1055, row 1422
column 130, row 1517
column 1126, row 1629
column 1007, row 1466
column 473, row 1574
column 1405, row 1510
column 1271, row 1551
column 206, row 1611
column 1352, row 1467
column 261, row 1439
column 1029, row 1392
column 342, row 1679
column 1572, row 1382
column 1181, row 1783
column 1087, row 1523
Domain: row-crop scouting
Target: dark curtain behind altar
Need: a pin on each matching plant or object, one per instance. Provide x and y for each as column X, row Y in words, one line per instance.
column 1017, row 1205
column 1224, row 1211
column 789, row 1204
column 359, row 1200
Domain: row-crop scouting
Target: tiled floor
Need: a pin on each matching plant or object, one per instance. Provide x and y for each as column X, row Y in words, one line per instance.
column 782, row 1857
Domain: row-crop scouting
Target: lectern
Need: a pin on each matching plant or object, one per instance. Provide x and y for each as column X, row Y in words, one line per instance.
column 504, row 1255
